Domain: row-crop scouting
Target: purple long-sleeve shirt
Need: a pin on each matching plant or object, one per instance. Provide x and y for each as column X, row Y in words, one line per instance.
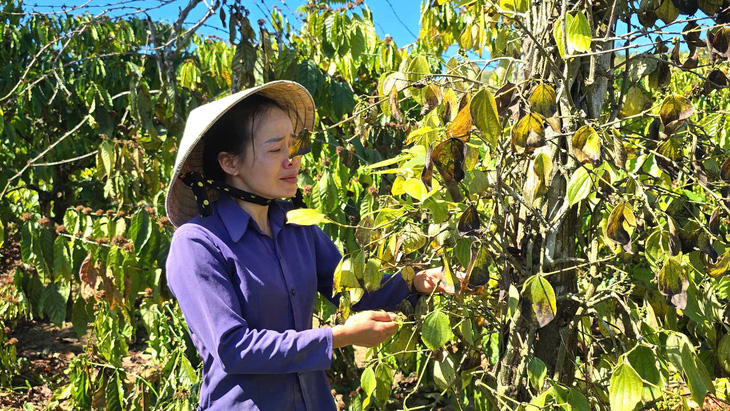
column 248, row 301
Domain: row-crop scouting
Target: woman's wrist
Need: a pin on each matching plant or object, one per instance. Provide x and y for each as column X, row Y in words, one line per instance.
column 340, row 336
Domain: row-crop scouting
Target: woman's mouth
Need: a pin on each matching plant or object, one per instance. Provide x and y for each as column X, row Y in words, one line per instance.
column 290, row 180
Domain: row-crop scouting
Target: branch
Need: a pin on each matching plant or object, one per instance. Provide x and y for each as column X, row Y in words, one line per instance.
column 30, row 163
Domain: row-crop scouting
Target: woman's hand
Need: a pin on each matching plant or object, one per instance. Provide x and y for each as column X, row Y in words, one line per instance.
column 426, row 281
column 366, row 329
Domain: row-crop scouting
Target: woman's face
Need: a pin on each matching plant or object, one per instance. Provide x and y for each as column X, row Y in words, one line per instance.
column 266, row 169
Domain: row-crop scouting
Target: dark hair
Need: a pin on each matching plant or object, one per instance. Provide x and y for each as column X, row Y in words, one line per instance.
column 233, row 133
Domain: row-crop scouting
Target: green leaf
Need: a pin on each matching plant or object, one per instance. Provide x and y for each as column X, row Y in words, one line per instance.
column 372, row 275
column 80, row 316
column 681, row 354
column 310, row 76
column 643, row 360
column 483, row 110
column 114, row 393
column 436, row 330
column 579, row 186
column 517, row 6
column 672, row 283
column 140, row 229
column 345, row 275
column 61, row 259
column 306, row 216
column 415, row 188
column 540, row 293
column 343, row 100
column 625, row 389
column 536, row 371
column 367, row 381
column 578, row 32
column 558, row 35
column 54, row 303
column 578, row 401
column 444, row 373
column 2, row 232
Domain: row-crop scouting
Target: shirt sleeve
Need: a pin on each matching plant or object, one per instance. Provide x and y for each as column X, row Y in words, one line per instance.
column 198, row 276
column 393, row 288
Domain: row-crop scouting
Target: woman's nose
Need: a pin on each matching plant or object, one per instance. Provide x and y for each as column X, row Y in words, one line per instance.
column 293, row 162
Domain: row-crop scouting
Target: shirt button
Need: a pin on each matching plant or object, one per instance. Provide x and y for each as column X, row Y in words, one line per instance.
column 293, row 292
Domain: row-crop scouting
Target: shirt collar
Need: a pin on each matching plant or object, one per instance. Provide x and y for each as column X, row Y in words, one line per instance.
column 237, row 220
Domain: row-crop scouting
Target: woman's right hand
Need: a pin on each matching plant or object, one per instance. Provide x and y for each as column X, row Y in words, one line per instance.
column 366, row 329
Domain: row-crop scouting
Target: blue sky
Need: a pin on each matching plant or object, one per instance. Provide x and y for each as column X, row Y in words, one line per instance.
column 399, row 18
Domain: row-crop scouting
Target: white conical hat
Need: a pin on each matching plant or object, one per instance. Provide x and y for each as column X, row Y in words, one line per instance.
column 290, row 96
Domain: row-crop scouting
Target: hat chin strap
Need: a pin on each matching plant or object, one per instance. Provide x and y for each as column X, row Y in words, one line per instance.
column 198, row 183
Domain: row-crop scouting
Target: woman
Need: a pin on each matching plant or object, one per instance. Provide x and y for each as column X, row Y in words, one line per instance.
column 246, row 281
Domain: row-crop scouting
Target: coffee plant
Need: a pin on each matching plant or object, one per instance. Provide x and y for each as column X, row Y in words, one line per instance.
column 567, row 168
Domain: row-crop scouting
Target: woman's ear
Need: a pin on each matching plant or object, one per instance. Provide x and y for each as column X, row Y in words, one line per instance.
column 228, row 162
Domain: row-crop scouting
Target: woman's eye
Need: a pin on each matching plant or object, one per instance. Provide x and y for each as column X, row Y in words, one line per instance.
column 275, row 151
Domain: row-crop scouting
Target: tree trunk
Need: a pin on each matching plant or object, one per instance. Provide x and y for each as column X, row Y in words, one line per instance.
column 581, row 86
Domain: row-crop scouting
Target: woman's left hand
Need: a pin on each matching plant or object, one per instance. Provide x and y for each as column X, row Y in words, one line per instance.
column 426, row 281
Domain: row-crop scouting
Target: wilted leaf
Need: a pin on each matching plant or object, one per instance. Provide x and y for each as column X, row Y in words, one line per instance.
column 635, row 102
column 543, row 100
column 714, row 223
column 461, row 126
column 505, row 97
column 725, row 170
column 528, row 133
column 543, row 168
column 301, row 145
column 431, row 98
column 619, row 223
column 704, row 244
column 394, row 81
column 427, row 172
column 686, row 6
column 448, row 157
column 671, row 148
column 675, row 108
column 715, row 80
column 394, row 106
column 469, row 222
column 718, row 41
column 587, row 145
column 721, row 267
column 672, row 283
column 619, row 152
column 666, row 11
column 538, row 291
column 477, row 273
column 413, row 238
column 483, row 110
column 625, row 389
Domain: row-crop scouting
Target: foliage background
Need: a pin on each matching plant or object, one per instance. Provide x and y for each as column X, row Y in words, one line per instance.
column 580, row 185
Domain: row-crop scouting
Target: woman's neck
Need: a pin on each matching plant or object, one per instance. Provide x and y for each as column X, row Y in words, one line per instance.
column 259, row 213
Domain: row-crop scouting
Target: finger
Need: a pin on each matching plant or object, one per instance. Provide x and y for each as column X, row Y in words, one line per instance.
column 381, row 316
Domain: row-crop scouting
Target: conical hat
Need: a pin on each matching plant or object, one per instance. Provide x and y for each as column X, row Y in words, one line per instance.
column 290, row 96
